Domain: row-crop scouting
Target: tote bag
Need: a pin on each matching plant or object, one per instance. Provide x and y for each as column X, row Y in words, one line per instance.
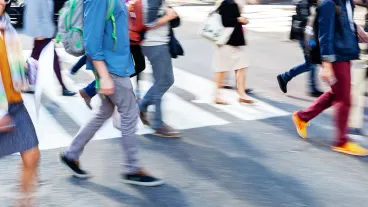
column 214, row 30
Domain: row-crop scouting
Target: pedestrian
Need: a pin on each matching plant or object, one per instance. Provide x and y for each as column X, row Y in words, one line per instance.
column 114, row 66
column 358, row 88
column 22, row 137
column 232, row 56
column 39, row 24
column 302, row 14
column 338, row 46
column 90, row 91
column 155, row 47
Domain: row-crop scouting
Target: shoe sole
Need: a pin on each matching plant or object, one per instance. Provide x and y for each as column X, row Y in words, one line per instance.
column 151, row 184
column 348, row 153
column 280, row 83
column 167, row 136
column 296, row 126
column 74, row 173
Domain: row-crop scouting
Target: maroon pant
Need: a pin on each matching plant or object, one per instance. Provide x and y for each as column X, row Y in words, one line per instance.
column 338, row 96
column 36, row 52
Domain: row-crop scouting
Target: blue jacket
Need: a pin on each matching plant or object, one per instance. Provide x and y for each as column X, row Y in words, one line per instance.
column 98, row 40
column 338, row 42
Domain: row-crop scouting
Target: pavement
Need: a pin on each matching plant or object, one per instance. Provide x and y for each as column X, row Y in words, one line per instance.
column 229, row 156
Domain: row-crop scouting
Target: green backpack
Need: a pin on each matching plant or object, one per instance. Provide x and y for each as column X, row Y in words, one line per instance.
column 70, row 26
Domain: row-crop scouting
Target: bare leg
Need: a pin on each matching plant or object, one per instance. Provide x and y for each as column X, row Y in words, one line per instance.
column 29, row 171
column 240, row 84
column 219, row 77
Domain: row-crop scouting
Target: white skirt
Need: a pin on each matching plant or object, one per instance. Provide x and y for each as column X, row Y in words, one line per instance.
column 230, row 58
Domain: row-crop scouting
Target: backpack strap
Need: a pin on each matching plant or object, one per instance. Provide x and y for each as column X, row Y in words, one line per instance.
column 110, row 15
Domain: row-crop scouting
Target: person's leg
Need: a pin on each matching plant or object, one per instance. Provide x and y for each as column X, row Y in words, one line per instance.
column 90, row 89
column 78, row 65
column 356, row 116
column 88, row 131
column 162, row 69
column 219, row 78
column 38, row 46
column 29, row 170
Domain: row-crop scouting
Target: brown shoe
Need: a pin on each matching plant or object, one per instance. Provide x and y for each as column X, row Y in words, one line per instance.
column 143, row 116
column 168, row 132
column 246, row 101
column 86, row 98
column 6, row 124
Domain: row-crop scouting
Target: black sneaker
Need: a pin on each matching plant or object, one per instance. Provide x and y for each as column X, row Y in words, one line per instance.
column 142, row 179
column 74, row 166
column 282, row 84
column 68, row 93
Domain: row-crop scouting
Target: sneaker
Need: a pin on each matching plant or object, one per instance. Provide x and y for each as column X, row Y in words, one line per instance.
column 315, row 94
column 68, row 93
column 74, row 167
column 282, row 84
column 168, row 132
column 86, row 98
column 351, row 148
column 301, row 126
column 141, row 178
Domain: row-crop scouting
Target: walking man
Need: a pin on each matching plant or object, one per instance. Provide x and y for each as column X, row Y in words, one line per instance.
column 156, row 49
column 114, row 66
column 303, row 11
column 338, row 46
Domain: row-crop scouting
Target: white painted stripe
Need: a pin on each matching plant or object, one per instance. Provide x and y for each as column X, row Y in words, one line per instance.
column 50, row 134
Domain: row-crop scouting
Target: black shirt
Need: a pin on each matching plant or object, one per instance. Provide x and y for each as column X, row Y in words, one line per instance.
column 230, row 13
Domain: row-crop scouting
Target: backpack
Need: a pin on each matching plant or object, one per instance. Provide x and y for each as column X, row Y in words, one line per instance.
column 299, row 21
column 136, row 21
column 70, row 26
column 311, row 40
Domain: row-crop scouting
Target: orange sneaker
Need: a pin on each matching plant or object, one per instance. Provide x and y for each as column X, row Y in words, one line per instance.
column 301, row 126
column 351, row 148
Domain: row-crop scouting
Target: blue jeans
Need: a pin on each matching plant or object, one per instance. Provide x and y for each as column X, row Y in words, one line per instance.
column 305, row 67
column 91, row 89
column 162, row 70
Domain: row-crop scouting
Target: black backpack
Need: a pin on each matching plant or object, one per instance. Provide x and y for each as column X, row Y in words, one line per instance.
column 311, row 41
column 299, row 21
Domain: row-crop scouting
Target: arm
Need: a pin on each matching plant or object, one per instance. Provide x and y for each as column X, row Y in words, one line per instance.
column 93, row 31
column 326, row 32
column 362, row 3
column 363, row 36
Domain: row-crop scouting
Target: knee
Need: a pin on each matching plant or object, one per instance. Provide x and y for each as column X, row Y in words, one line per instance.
column 31, row 158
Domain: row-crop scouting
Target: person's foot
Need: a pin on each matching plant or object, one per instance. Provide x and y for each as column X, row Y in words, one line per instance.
column 68, row 93
column 356, row 131
column 142, row 178
column 301, row 126
column 74, row 166
column 282, row 84
column 351, row 148
column 246, row 101
column 6, row 124
column 315, row 94
column 86, row 98
column 167, row 132
column 143, row 116
column 221, row 102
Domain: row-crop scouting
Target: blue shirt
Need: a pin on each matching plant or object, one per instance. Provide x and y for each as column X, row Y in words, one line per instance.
column 98, row 40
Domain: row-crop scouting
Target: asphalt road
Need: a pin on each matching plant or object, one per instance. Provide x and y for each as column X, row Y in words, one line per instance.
column 257, row 163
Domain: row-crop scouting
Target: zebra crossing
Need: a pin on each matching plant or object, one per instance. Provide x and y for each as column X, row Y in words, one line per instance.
column 178, row 111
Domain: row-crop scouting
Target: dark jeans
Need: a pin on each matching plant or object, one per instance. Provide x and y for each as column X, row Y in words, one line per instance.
column 339, row 96
column 139, row 66
column 305, row 67
column 36, row 52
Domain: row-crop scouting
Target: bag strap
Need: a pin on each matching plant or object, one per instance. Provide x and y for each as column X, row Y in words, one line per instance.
column 110, row 15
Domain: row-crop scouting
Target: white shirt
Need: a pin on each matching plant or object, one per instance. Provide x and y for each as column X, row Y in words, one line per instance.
column 350, row 14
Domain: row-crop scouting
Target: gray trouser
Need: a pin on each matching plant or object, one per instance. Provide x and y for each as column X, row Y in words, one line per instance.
column 160, row 59
column 125, row 101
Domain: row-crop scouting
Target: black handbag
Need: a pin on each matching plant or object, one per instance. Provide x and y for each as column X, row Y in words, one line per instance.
column 175, row 48
column 298, row 24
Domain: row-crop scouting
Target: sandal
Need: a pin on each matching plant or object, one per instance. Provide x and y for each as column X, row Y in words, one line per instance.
column 246, row 101
column 221, row 102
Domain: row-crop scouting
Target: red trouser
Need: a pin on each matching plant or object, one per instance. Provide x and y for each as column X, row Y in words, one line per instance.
column 338, row 96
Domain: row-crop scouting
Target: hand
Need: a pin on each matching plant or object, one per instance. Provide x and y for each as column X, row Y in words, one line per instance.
column 243, row 20
column 106, row 86
column 327, row 74
column 171, row 13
